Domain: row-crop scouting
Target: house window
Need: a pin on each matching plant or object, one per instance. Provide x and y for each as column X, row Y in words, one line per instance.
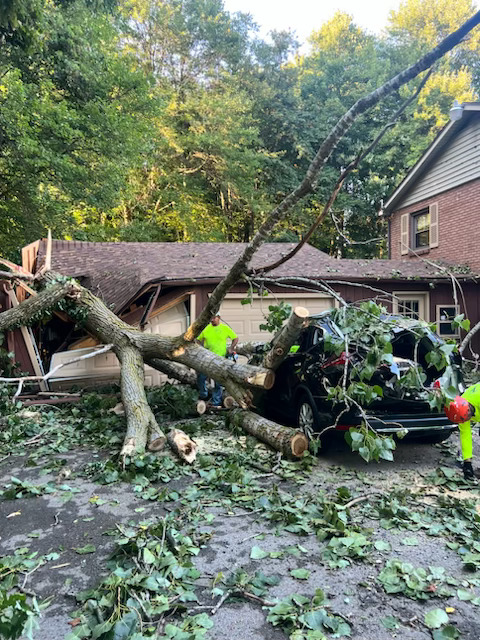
column 410, row 308
column 421, row 230
column 413, row 305
column 445, row 316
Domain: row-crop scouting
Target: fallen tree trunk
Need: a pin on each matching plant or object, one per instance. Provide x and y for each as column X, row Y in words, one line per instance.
column 248, row 348
column 288, row 441
column 184, row 447
column 133, row 347
column 140, row 419
column 285, row 338
column 174, row 370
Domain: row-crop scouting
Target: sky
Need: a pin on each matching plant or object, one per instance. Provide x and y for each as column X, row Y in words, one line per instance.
column 304, row 16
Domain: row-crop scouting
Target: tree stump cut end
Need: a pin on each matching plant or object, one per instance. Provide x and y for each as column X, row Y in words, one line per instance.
column 299, row 444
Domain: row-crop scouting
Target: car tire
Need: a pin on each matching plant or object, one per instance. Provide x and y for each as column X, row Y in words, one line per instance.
column 309, row 422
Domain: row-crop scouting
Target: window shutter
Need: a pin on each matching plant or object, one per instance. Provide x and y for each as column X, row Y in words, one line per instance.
column 434, row 225
column 404, row 243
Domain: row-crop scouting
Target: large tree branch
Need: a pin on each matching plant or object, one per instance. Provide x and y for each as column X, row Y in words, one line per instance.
column 285, row 338
column 308, row 183
column 468, row 338
column 31, row 310
column 141, row 422
column 339, row 184
column 173, row 370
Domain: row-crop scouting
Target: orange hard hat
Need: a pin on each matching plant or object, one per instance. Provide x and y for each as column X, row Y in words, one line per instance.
column 458, row 410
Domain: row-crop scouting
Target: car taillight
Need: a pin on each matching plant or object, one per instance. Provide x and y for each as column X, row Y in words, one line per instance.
column 340, row 361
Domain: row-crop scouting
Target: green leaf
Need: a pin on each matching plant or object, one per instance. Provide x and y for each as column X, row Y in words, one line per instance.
column 148, row 556
column 390, row 623
column 88, row 548
column 382, row 545
column 126, row 626
column 436, row 618
column 410, row 541
column 258, row 554
column 300, row 574
column 446, row 633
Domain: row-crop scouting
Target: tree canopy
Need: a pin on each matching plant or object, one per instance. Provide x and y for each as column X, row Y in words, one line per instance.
column 173, row 121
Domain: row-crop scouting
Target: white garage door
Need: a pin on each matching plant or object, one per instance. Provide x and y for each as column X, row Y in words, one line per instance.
column 246, row 319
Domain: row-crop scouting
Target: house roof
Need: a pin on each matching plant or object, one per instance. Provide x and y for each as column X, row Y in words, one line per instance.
column 118, row 271
column 470, row 110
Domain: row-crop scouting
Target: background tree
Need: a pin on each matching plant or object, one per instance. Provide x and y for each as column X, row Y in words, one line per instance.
column 73, row 119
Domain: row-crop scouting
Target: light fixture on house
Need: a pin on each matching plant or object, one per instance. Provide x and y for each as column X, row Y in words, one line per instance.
column 456, row 111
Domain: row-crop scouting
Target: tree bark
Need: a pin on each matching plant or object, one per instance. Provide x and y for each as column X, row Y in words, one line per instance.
column 248, row 348
column 141, row 422
column 174, row 370
column 288, row 441
column 285, row 338
column 36, row 307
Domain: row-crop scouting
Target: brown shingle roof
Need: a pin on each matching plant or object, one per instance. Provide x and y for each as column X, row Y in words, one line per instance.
column 117, row 271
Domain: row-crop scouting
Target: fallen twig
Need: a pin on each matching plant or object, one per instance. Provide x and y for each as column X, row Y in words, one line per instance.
column 252, row 596
column 355, row 501
column 245, row 513
column 225, row 596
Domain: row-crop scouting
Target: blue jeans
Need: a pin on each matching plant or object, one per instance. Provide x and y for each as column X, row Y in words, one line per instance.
column 203, row 393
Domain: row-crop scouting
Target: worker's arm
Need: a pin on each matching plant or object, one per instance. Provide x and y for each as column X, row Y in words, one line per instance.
column 231, row 348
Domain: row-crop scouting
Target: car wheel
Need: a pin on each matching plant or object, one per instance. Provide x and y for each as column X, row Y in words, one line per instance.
column 306, row 417
column 311, row 423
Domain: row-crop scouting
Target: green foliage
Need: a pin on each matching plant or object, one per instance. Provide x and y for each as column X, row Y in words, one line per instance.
column 370, row 445
column 435, row 618
column 305, row 618
column 175, row 401
column 17, row 616
column 141, row 121
column 74, row 118
column 415, row 583
column 277, row 315
column 19, row 613
column 340, row 551
column 21, row 489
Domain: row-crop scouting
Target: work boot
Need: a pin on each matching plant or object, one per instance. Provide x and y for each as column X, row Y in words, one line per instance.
column 468, row 473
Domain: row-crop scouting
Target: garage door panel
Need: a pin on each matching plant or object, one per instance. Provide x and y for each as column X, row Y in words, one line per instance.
column 246, row 319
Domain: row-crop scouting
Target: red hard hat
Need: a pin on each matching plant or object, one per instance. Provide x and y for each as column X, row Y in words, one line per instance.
column 457, row 410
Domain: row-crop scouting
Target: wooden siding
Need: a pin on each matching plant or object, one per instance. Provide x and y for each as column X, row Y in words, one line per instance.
column 459, row 163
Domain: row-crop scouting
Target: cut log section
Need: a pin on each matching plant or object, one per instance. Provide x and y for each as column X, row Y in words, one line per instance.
column 286, row 338
column 228, row 402
column 201, row 407
column 157, row 441
column 182, row 445
column 288, row 441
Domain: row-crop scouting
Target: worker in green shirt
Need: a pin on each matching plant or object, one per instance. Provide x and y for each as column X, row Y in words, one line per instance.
column 462, row 410
column 214, row 338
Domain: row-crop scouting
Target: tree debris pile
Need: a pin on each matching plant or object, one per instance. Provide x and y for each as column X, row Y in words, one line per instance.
column 310, row 548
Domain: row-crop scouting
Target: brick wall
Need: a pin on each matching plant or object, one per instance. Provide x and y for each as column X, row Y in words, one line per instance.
column 458, row 226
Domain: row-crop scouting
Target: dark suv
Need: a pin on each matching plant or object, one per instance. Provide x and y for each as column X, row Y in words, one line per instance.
column 300, row 393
